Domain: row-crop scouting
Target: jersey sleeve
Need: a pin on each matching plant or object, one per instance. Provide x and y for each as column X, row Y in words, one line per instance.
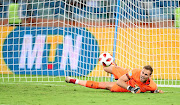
column 153, row 86
column 118, row 72
column 131, row 74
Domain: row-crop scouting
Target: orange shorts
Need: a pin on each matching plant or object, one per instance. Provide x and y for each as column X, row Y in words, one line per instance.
column 118, row 72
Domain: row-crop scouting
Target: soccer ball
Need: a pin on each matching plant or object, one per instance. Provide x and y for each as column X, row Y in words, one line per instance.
column 105, row 59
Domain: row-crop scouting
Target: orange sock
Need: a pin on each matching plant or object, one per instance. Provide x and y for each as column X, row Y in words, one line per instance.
column 92, row 84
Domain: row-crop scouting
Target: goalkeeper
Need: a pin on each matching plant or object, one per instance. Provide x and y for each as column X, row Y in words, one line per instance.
column 134, row 81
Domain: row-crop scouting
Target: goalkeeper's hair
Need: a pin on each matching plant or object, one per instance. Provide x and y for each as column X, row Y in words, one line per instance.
column 148, row 67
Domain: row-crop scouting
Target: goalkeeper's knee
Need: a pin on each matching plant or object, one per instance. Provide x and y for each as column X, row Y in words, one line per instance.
column 92, row 84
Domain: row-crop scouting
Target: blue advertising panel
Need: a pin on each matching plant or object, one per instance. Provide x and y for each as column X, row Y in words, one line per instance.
column 50, row 51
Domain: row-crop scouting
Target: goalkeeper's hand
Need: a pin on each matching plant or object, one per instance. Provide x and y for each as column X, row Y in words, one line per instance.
column 158, row 91
column 134, row 90
column 114, row 63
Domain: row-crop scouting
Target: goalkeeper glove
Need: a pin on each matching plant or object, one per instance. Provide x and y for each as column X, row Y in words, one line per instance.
column 158, row 91
column 134, row 90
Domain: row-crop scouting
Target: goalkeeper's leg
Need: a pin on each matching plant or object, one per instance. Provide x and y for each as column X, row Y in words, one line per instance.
column 91, row 84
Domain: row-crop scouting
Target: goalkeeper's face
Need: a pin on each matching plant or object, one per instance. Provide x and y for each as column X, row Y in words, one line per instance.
column 145, row 75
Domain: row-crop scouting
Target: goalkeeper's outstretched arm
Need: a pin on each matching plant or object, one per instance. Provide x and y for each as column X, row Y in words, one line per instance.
column 122, row 83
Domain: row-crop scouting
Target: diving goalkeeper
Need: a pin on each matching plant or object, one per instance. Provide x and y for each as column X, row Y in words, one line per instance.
column 135, row 81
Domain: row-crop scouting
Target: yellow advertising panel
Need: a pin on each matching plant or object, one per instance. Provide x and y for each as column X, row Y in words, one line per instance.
column 136, row 48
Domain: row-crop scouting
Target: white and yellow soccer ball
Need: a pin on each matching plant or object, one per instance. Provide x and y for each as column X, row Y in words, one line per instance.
column 105, row 59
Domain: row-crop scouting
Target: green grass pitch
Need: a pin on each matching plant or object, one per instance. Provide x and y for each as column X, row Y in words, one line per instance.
column 61, row 93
